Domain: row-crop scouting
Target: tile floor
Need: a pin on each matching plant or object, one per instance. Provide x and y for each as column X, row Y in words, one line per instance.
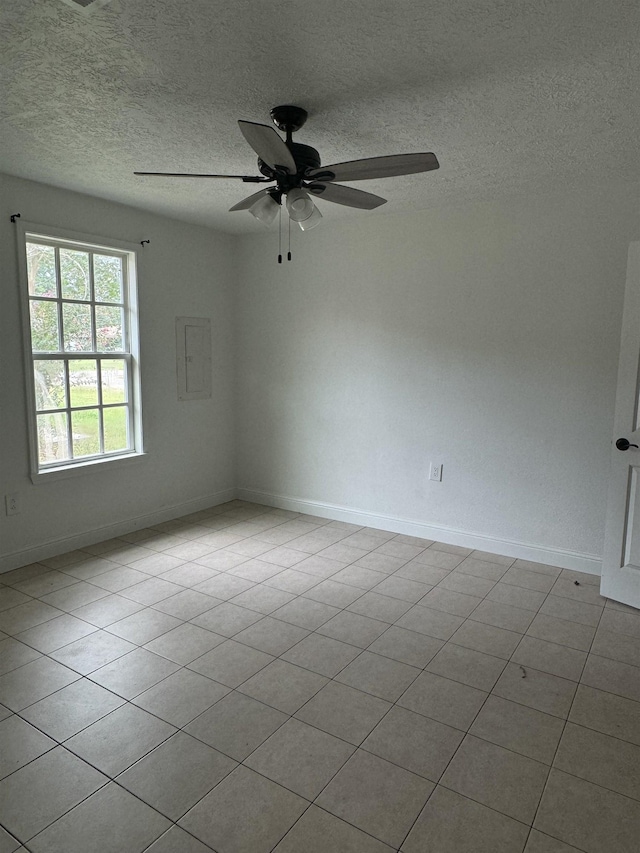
column 247, row 680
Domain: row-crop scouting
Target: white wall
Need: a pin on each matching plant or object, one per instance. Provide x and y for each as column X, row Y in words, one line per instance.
column 190, row 446
column 486, row 338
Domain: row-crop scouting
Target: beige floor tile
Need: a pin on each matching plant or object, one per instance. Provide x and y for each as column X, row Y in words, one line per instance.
column 74, row 596
column 518, row 728
column 118, row 740
column 376, row 796
column 495, row 558
column 454, row 603
column 283, row 685
column 451, row 823
column 176, row 774
column 598, row 758
column 574, row 611
column 9, row 844
column 223, row 586
column 406, row 646
column 482, row 569
column 621, row 622
column 451, row 549
column 467, row 584
column 352, row 628
column 434, row 623
column 26, row 615
column 612, row 676
column 336, row 594
column 497, row 778
column 343, row 553
column 587, row 593
column 36, row 795
column 13, row 654
column 414, row 742
column 581, row 577
column 72, row 709
column 189, row 575
column 12, row 598
column 92, row 652
column 107, row 610
column 587, row 816
column 562, row 631
column 543, row 568
column 380, row 676
column 607, row 713
column 245, row 813
column 282, row 556
column 227, row 619
column 176, row 840
column 20, row 743
column 620, row 647
column 540, row 690
column 344, row 712
column 439, row 559
column 271, row 636
column 540, row 843
column 263, row 599
column 444, row 700
column 300, row 757
column 319, row 567
column 236, row 725
column 486, row 638
column 133, row 673
column 181, row 697
column 119, row 579
column 186, row 604
column 323, row 655
column 467, row 665
column 55, row 633
column 403, row 588
column 305, row 613
column 423, row 573
column 402, row 550
column 550, row 657
column 111, row 821
column 230, row 663
column 184, row 643
column 44, row 584
column 383, row 563
column 293, row 581
column 529, row 579
column 33, row 681
column 359, row 577
column 318, row 831
column 518, row 596
column 381, row 607
column 503, row 616
column 144, row 626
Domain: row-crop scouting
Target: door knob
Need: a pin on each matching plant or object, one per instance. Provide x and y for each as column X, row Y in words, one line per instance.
column 623, row 444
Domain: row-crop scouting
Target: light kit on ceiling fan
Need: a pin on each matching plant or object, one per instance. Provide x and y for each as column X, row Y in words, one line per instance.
column 298, row 174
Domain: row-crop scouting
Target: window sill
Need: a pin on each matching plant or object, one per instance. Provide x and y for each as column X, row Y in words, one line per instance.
column 80, row 469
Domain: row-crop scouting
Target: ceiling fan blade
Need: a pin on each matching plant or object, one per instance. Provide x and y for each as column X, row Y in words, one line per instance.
column 376, row 167
column 347, row 196
column 245, row 178
column 249, row 201
column 268, row 145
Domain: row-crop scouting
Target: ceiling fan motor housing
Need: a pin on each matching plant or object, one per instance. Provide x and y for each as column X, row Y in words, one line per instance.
column 306, row 158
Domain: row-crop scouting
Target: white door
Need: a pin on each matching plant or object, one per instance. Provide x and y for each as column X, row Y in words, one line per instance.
column 621, row 561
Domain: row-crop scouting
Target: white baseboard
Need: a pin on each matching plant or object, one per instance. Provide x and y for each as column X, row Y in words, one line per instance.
column 560, row 557
column 60, row 546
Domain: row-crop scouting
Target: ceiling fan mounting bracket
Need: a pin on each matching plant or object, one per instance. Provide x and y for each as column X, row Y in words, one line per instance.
column 288, row 118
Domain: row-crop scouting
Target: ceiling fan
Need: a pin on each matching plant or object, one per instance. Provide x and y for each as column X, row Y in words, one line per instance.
column 297, row 174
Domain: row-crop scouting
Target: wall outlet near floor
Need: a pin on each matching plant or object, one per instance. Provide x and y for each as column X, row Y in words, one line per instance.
column 435, row 471
column 12, row 503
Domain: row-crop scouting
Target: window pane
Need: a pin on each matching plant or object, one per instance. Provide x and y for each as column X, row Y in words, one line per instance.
column 76, row 319
column 74, row 273
column 116, row 432
column 52, row 438
column 44, row 326
column 114, row 380
column 41, row 270
column 107, row 278
column 83, row 382
column 85, row 432
column 51, row 392
column 109, row 326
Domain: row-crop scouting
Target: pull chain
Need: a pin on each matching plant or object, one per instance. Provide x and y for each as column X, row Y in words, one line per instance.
column 280, row 235
column 289, row 252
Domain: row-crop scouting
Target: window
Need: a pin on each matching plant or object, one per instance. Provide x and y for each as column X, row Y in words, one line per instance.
column 82, row 352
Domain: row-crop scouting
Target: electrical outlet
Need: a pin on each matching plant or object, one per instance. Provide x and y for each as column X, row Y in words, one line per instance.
column 435, row 471
column 12, row 503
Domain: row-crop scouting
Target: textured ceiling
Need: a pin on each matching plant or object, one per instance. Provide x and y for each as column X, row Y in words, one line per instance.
column 510, row 94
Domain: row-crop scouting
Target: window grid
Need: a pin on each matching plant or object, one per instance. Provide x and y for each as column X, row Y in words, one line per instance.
column 99, row 357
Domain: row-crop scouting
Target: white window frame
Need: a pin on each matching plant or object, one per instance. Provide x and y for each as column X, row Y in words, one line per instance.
column 27, row 232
